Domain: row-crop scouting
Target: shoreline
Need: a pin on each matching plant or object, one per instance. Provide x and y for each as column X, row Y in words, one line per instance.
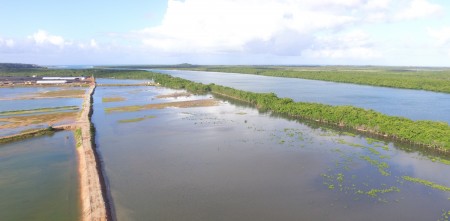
column 92, row 186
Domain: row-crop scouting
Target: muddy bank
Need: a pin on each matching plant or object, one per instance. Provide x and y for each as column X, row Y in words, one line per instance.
column 179, row 104
column 93, row 203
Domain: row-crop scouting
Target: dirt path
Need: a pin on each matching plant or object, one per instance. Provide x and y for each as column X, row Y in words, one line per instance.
column 93, row 203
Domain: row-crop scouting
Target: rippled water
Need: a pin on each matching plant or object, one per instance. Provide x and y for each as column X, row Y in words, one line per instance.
column 230, row 162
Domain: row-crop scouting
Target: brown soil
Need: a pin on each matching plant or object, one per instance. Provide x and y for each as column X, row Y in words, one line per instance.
column 51, row 94
column 21, row 121
column 93, row 203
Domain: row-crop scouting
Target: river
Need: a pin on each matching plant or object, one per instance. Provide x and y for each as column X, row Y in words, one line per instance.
column 413, row 104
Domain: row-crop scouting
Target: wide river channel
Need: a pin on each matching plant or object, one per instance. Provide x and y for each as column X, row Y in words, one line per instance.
column 231, row 162
column 412, row 104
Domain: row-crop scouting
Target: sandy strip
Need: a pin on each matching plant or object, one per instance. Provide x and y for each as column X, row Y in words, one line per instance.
column 93, row 203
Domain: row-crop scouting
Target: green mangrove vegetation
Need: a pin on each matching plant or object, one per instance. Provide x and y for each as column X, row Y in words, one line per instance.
column 410, row 78
column 426, row 133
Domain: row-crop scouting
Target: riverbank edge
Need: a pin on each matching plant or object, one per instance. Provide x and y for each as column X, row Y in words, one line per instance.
column 291, row 74
column 92, row 184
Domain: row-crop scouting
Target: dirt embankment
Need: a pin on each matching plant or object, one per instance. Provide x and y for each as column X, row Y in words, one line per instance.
column 92, row 196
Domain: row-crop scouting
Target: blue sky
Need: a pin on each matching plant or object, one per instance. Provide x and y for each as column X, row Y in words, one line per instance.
column 302, row 32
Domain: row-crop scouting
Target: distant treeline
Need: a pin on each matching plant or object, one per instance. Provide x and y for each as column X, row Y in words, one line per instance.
column 7, row 66
column 430, row 79
column 176, row 66
column 427, row 133
column 57, row 72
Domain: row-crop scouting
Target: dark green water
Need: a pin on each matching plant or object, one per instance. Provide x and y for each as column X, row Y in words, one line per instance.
column 38, row 179
column 230, row 162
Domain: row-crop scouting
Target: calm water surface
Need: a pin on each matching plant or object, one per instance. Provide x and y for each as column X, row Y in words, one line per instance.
column 230, row 162
column 413, row 104
column 38, row 179
column 17, row 92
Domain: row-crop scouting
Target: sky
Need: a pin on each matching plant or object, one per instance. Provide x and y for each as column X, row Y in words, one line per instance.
column 241, row 32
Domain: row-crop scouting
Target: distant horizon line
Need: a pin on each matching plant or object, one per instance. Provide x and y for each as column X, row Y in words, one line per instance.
column 179, row 64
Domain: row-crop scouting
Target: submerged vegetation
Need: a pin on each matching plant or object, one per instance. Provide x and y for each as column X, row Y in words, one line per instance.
column 427, row 183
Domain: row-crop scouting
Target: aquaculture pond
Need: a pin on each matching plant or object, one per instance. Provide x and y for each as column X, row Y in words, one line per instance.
column 413, row 104
column 38, row 179
column 227, row 161
column 25, row 108
column 20, row 98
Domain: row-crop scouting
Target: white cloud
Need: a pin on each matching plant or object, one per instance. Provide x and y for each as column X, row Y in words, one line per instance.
column 225, row 26
column 419, row 9
column 7, row 42
column 441, row 36
column 41, row 37
column 92, row 44
column 351, row 45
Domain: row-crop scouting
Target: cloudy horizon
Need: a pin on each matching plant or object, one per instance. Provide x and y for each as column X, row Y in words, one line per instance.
column 271, row 32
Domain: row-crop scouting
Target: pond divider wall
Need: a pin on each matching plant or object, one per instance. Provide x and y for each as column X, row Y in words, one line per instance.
column 93, row 191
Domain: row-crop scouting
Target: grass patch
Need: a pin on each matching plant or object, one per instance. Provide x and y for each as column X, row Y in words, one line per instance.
column 112, row 99
column 136, row 119
column 180, row 104
column 427, row 183
column 78, row 137
column 39, row 110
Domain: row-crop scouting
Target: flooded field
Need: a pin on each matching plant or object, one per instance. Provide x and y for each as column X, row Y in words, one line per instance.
column 38, row 179
column 230, row 162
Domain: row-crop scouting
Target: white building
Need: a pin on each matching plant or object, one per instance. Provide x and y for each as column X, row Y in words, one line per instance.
column 52, row 82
